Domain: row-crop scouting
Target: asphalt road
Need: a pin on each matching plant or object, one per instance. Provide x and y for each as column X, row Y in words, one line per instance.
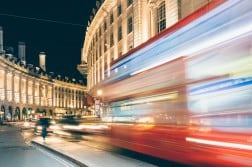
column 16, row 152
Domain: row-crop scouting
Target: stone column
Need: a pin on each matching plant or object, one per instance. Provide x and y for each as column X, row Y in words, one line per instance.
column 153, row 17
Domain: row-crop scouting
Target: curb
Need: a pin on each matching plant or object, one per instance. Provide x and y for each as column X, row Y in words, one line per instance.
column 61, row 154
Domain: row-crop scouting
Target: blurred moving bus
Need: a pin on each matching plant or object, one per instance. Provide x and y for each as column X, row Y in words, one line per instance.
column 186, row 94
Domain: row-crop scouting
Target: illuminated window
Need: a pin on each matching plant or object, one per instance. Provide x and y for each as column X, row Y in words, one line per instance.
column 30, row 86
column 16, row 84
column 9, row 82
column 161, row 20
column 23, row 86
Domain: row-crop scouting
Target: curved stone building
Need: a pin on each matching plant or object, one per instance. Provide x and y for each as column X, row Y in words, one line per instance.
column 28, row 92
column 118, row 26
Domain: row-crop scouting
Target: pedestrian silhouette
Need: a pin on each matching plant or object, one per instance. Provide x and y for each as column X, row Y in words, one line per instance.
column 44, row 132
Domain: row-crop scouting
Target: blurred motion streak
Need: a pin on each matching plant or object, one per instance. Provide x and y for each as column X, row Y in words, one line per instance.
column 186, row 94
column 219, row 143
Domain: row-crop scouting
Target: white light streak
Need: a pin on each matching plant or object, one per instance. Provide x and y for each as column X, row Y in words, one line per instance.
column 219, row 143
column 170, row 96
column 201, row 45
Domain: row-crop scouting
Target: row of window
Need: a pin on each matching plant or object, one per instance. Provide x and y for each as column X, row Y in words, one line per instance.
column 98, row 50
column 161, row 25
column 119, row 12
column 99, row 33
column 179, row 9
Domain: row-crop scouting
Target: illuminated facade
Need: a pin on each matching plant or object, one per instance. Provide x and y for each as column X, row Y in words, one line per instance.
column 29, row 92
column 118, row 26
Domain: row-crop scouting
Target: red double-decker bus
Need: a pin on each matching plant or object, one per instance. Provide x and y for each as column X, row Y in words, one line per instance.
column 186, row 95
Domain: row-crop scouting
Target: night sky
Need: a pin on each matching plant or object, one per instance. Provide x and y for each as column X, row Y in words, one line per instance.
column 56, row 27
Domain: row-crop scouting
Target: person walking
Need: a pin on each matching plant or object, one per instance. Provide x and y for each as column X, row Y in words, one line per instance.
column 44, row 132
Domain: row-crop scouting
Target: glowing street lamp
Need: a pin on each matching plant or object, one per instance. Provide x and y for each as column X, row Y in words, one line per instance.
column 99, row 92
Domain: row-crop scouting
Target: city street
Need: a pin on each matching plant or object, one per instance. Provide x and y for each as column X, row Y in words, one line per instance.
column 15, row 151
column 27, row 149
column 115, row 83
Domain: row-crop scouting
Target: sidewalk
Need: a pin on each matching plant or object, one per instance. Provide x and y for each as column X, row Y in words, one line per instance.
column 84, row 155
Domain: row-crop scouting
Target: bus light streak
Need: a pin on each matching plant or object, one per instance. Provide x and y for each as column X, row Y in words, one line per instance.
column 187, row 89
column 218, row 39
column 219, row 143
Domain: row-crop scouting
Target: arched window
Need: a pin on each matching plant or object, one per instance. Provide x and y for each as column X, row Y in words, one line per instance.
column 161, row 20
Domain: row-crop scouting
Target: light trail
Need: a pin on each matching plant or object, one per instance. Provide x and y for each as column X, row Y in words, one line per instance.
column 219, row 143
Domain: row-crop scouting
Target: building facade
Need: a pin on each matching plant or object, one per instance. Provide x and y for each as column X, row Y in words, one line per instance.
column 117, row 26
column 28, row 92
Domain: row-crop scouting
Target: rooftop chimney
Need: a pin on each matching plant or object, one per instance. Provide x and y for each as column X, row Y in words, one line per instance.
column 21, row 51
column 42, row 60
